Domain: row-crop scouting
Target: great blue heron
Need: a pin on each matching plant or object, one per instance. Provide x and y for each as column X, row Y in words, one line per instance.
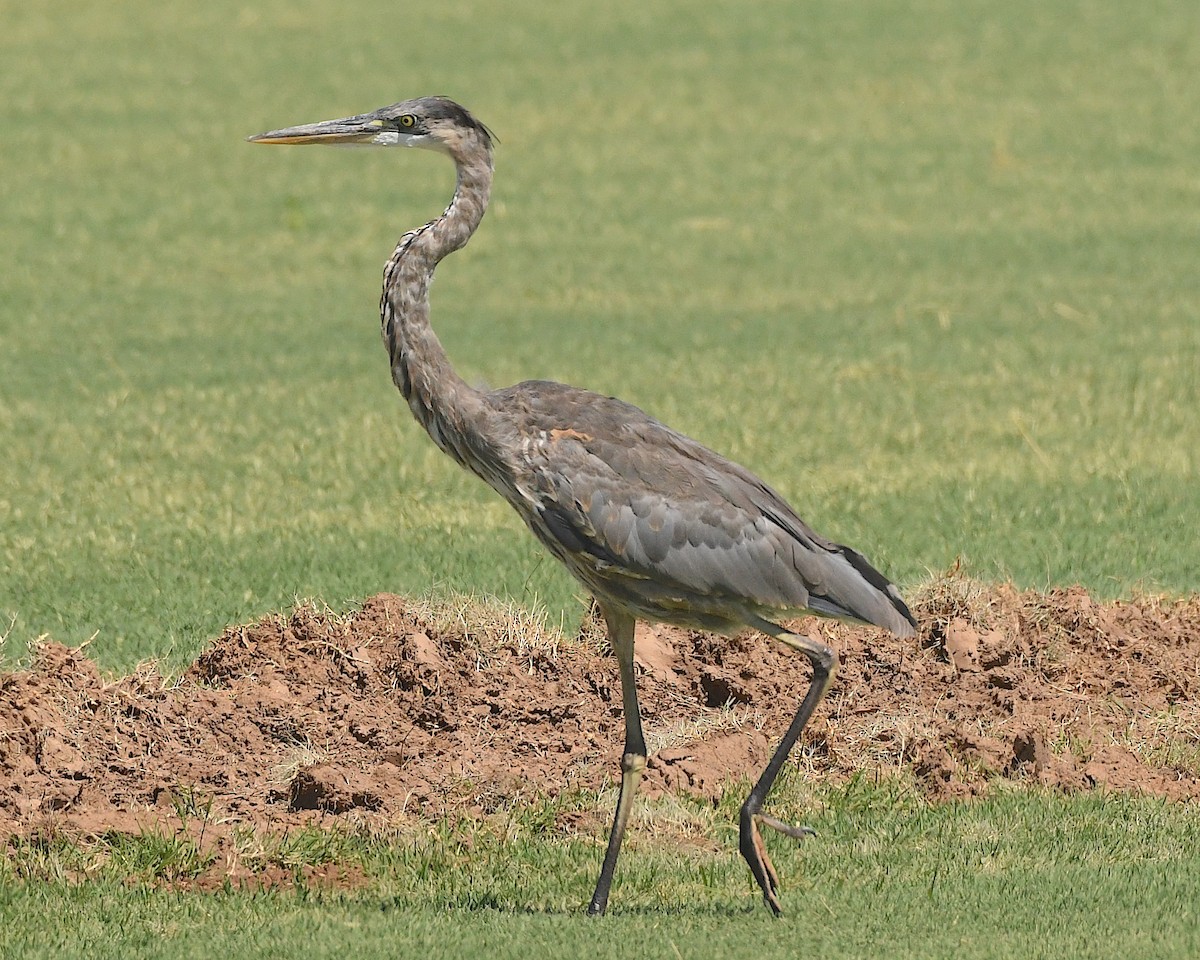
column 653, row 524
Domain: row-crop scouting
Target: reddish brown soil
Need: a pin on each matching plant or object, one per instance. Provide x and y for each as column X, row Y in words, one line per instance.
column 369, row 717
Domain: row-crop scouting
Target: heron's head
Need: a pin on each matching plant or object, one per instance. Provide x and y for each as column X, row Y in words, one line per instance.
column 435, row 123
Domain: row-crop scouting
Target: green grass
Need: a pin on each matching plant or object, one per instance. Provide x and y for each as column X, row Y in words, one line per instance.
column 928, row 267
column 1020, row 875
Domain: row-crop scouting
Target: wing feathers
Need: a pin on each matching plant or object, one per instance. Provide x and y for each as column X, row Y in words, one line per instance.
column 612, row 484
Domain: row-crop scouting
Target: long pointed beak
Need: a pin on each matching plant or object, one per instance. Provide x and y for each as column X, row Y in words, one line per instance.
column 363, row 129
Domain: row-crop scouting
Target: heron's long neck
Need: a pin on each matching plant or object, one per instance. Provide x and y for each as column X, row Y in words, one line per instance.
column 441, row 401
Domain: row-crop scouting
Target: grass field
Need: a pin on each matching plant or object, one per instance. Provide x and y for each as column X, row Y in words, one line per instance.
column 928, row 267
column 1020, row 875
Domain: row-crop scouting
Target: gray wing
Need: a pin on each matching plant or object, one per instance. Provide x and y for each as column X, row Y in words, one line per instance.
column 629, row 497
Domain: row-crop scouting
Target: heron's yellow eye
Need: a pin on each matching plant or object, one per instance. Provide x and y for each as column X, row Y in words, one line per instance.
column 408, row 120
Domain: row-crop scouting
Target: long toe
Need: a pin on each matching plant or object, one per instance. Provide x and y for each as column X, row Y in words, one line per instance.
column 754, row 852
column 787, row 829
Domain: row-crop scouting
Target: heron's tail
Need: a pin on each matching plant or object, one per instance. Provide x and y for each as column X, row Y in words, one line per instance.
column 857, row 591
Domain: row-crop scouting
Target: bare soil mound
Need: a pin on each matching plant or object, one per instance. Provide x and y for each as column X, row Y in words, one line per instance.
column 390, row 711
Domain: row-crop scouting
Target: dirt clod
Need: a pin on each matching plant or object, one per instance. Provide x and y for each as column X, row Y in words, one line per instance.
column 332, row 788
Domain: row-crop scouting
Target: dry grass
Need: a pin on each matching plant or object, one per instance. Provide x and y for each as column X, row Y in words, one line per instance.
column 490, row 623
column 1168, row 739
column 299, row 757
column 699, row 727
column 953, row 595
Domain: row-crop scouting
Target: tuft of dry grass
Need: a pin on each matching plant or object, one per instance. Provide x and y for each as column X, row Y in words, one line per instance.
column 953, row 595
column 1169, row 739
column 300, row 756
column 700, row 727
column 491, row 623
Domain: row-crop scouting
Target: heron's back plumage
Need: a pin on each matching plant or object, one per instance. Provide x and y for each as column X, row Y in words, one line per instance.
column 663, row 525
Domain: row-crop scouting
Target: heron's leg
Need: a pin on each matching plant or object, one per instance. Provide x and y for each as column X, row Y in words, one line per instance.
column 824, row 662
column 633, row 762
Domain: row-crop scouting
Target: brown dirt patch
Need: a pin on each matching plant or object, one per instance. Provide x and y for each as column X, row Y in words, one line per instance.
column 388, row 712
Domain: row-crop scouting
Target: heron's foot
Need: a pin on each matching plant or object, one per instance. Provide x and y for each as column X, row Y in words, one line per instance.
column 754, row 851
